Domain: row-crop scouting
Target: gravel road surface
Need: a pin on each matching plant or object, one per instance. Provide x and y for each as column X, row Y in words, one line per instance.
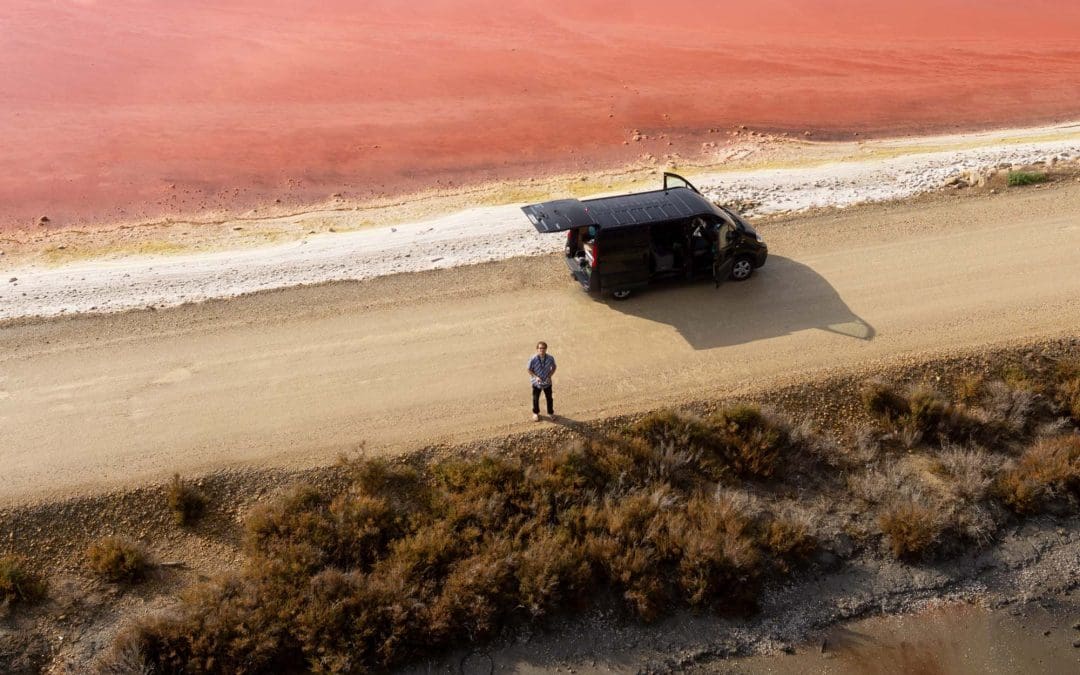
column 294, row 377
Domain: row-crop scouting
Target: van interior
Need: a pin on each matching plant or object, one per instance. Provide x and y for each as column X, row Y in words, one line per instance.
column 680, row 248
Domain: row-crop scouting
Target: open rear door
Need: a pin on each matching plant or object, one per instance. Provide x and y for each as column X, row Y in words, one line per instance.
column 674, row 180
column 724, row 260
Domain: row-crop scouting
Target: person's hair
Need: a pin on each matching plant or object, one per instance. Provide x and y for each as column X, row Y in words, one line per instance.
column 541, row 344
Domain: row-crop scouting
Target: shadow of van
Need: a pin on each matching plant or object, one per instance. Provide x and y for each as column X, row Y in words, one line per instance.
column 782, row 297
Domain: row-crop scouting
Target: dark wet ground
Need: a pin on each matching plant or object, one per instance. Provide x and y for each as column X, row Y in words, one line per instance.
column 1039, row 637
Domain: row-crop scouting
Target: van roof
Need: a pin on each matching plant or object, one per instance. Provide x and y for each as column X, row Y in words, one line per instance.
column 606, row 213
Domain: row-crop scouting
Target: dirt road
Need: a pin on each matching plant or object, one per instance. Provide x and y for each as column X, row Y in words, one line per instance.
column 295, row 377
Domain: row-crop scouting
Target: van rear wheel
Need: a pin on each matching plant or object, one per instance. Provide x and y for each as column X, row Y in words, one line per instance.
column 620, row 295
column 742, row 269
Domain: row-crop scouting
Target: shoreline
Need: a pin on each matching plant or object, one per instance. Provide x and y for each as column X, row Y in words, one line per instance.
column 169, row 264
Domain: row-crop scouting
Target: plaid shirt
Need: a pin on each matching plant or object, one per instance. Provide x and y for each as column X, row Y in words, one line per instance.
column 541, row 369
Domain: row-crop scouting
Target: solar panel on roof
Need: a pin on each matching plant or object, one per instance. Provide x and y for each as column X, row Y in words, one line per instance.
column 618, row 211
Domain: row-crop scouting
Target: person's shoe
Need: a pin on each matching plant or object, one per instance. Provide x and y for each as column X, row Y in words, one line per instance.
column 536, row 418
column 554, row 417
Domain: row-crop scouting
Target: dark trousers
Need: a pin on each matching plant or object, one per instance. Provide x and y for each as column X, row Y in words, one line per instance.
column 547, row 396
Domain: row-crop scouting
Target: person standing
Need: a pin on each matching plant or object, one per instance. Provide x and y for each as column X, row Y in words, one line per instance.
column 541, row 368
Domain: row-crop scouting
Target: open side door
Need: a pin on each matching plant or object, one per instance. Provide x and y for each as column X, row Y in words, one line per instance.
column 674, row 180
column 724, row 260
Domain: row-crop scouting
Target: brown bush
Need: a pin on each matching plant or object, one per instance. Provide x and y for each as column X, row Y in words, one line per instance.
column 118, row 559
column 751, row 444
column 969, row 387
column 883, row 400
column 1010, row 410
column 789, row 540
column 912, row 528
column 626, row 538
column 553, row 571
column 234, row 624
column 19, row 583
column 1047, row 469
column 681, row 447
column 477, row 593
column 926, row 410
column 715, row 552
column 186, row 502
column 299, row 519
column 1067, row 388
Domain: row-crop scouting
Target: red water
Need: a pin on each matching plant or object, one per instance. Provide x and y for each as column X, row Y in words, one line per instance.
column 130, row 109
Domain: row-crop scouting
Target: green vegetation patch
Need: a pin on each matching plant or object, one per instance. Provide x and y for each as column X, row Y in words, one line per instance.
column 1019, row 178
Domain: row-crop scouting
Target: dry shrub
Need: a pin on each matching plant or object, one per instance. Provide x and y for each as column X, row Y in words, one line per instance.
column 883, row 401
column 1048, row 469
column 788, row 537
column 717, row 555
column 572, row 474
column 299, row 518
column 751, row 443
column 186, row 502
column 626, row 538
column 684, row 451
column 1010, row 409
column 926, row 410
column 968, row 387
column 352, row 622
column 118, row 559
column 19, row 583
column 477, row 593
column 1016, row 377
column 1067, row 388
column 553, row 571
column 912, row 528
column 234, row 624
column 678, row 443
column 970, row 471
column 122, row 657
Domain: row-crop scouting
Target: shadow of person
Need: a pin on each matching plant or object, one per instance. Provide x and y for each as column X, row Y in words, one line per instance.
column 781, row 298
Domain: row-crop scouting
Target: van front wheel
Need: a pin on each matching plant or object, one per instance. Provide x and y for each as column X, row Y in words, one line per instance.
column 742, row 269
column 620, row 295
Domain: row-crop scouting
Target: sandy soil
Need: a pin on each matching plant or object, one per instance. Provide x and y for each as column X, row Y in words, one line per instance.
column 292, row 378
column 125, row 112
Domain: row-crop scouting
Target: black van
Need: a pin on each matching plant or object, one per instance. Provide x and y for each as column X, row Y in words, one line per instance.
column 618, row 244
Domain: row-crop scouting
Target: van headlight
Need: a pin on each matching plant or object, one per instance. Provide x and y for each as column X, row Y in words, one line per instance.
column 759, row 239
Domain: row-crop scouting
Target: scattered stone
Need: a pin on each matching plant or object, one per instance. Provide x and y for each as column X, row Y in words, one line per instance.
column 13, row 280
column 237, row 228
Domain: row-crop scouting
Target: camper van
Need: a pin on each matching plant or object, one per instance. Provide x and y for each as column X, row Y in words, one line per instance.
column 616, row 245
